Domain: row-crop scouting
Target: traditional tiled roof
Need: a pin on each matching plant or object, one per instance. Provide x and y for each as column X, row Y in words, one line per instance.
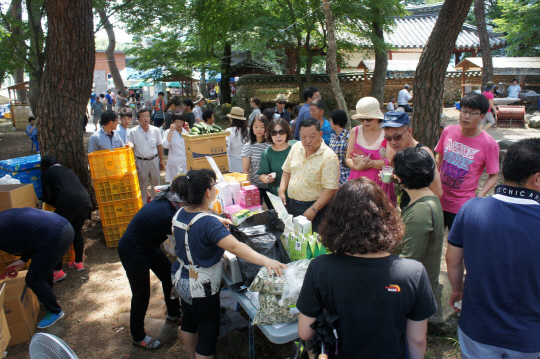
column 250, row 65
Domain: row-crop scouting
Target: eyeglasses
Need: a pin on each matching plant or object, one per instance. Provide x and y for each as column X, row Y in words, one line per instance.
column 367, row 119
column 395, row 137
column 465, row 112
column 213, row 184
column 282, row 102
column 279, row 132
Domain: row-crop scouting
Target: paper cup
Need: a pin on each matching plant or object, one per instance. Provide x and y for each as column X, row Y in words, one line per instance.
column 386, row 174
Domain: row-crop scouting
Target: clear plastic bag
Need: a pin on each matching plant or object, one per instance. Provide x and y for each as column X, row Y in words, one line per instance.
column 294, row 278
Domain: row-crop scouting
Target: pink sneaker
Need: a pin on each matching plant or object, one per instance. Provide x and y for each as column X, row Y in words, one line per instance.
column 75, row 265
column 58, row 276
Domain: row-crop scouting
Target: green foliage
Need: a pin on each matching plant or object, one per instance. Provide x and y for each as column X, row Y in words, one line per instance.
column 226, row 108
column 519, row 21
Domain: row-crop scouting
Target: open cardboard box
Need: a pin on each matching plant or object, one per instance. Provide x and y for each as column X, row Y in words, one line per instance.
column 5, row 336
column 17, row 196
column 21, row 308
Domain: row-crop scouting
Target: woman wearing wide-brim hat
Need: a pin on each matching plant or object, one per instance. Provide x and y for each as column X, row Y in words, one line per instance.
column 365, row 152
column 239, row 136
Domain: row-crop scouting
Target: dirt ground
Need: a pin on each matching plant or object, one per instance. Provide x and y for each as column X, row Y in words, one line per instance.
column 93, row 299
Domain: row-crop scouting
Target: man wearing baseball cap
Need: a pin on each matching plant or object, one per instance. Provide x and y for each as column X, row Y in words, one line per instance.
column 398, row 134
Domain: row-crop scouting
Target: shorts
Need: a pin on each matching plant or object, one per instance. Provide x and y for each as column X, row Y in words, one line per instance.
column 471, row 349
column 449, row 219
column 488, row 118
column 203, row 316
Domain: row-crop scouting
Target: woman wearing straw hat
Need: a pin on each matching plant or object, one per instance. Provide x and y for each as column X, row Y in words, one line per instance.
column 239, row 136
column 365, row 153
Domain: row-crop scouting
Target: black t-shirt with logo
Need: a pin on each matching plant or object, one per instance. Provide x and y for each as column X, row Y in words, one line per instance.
column 373, row 298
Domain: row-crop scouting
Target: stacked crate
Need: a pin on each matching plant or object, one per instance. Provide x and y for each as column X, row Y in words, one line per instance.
column 117, row 190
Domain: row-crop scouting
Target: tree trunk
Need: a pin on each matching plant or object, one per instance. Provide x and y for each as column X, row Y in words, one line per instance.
column 428, row 87
column 202, row 84
column 309, row 60
column 226, row 75
column 485, row 46
column 109, row 53
column 66, row 84
column 298, row 73
column 378, row 81
column 331, row 59
column 37, row 55
column 18, row 74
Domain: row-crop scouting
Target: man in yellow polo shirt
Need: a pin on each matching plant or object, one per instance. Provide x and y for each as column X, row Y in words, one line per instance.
column 310, row 174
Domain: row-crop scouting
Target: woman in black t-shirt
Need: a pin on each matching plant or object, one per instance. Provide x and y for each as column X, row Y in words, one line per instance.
column 381, row 300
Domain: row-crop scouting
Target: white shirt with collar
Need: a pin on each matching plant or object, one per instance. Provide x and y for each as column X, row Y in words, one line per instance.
column 145, row 143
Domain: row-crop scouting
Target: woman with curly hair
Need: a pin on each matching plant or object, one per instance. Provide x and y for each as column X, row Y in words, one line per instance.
column 381, row 300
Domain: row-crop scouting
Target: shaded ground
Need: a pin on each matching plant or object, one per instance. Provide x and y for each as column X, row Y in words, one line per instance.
column 93, row 299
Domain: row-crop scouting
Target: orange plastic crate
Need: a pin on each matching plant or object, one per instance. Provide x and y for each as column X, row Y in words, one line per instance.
column 113, row 234
column 119, row 212
column 6, row 259
column 69, row 256
column 112, row 163
column 117, row 188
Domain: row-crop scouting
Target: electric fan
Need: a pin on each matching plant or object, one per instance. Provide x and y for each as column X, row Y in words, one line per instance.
column 47, row 346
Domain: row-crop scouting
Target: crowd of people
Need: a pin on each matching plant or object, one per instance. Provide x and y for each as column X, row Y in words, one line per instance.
column 384, row 255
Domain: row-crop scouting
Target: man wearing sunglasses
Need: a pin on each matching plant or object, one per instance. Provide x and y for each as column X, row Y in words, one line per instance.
column 465, row 151
column 398, row 134
column 280, row 110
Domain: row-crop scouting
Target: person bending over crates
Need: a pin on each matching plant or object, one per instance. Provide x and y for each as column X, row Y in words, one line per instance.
column 43, row 237
column 148, row 145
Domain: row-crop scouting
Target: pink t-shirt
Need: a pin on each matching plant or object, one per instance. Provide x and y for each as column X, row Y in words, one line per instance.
column 489, row 96
column 464, row 161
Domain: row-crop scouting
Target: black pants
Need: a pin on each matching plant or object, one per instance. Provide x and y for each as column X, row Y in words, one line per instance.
column 158, row 121
column 264, row 196
column 77, row 217
column 449, row 219
column 137, row 270
column 297, row 208
column 407, row 107
column 203, row 317
column 40, row 274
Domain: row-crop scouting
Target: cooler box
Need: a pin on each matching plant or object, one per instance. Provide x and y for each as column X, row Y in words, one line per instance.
column 25, row 169
column 200, row 146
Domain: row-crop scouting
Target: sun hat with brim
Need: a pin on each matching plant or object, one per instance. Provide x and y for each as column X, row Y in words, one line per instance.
column 395, row 119
column 281, row 97
column 489, row 86
column 368, row 107
column 198, row 98
column 237, row 112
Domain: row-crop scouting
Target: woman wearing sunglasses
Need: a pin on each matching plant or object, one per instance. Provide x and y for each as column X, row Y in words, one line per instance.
column 366, row 149
column 280, row 135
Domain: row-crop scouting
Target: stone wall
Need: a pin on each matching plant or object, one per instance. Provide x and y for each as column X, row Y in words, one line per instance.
column 352, row 85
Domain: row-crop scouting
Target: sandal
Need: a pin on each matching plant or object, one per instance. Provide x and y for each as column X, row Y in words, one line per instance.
column 148, row 343
column 176, row 320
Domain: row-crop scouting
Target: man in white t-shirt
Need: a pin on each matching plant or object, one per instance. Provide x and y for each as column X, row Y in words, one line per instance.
column 197, row 110
column 390, row 106
column 514, row 89
column 403, row 99
column 147, row 145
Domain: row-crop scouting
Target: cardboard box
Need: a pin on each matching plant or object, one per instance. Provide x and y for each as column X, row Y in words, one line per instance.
column 198, row 146
column 5, row 336
column 222, row 162
column 21, row 308
column 17, row 196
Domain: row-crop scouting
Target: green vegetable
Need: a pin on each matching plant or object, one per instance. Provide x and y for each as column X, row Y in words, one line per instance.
column 193, row 133
column 196, row 129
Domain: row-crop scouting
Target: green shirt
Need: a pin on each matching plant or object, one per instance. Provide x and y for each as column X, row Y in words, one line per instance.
column 423, row 238
column 272, row 161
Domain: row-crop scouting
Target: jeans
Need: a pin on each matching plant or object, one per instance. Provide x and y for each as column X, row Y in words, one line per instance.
column 76, row 217
column 137, row 270
column 297, row 208
column 471, row 349
column 407, row 107
column 40, row 274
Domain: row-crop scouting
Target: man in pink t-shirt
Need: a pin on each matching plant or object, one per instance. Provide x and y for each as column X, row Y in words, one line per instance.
column 464, row 152
column 490, row 115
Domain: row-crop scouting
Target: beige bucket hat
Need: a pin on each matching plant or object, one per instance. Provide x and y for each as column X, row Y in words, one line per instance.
column 368, row 107
column 198, row 98
column 237, row 112
column 281, row 97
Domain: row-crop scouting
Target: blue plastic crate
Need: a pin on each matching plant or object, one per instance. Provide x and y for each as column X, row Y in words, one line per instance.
column 25, row 169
